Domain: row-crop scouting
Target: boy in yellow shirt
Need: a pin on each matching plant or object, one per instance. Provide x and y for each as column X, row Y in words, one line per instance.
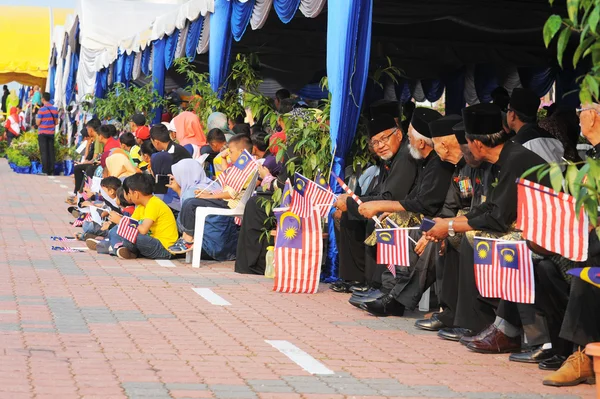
column 157, row 226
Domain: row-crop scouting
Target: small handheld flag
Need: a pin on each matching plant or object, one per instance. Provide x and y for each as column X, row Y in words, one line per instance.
column 518, row 283
column 238, row 174
column 393, row 248
column 58, row 238
column 487, row 270
column 67, row 249
column 128, row 229
column 312, row 195
column 321, row 180
column 286, row 195
column 587, row 274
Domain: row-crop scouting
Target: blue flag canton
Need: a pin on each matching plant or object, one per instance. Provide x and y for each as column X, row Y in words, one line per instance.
column 286, row 195
column 289, row 234
column 508, row 255
column 241, row 162
column 483, row 252
column 300, row 185
column 386, row 237
column 321, row 181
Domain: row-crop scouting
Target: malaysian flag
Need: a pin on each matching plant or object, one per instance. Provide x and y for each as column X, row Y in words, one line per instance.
column 67, row 249
column 309, row 194
column 58, row 238
column 286, row 195
column 488, row 275
column 321, row 180
column 518, row 283
column 298, row 252
column 128, row 229
column 587, row 274
column 550, row 220
column 393, row 248
column 238, row 174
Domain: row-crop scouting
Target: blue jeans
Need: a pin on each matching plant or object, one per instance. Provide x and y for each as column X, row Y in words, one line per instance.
column 94, row 228
column 145, row 246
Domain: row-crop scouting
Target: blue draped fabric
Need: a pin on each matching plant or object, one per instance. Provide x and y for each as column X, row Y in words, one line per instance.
column 193, row 37
column 158, row 74
column 455, row 91
column 71, row 80
column 313, row 91
column 146, row 60
column 403, row 93
column 286, row 9
column 129, row 61
column 348, row 53
column 433, row 89
column 219, row 50
column 567, row 88
column 170, row 48
column 51, row 76
column 101, row 83
column 537, row 79
column 240, row 17
column 485, row 81
column 119, row 69
column 21, row 96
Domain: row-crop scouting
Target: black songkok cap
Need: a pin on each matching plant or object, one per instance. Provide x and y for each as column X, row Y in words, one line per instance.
column 421, row 119
column 381, row 123
column 381, row 107
column 525, row 102
column 443, row 126
column 459, row 132
column 482, row 119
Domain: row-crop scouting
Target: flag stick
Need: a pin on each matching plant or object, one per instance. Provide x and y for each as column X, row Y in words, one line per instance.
column 207, row 187
column 390, row 221
column 331, row 164
column 349, row 191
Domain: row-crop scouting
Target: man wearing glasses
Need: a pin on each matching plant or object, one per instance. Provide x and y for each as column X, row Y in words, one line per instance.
column 398, row 171
column 521, row 117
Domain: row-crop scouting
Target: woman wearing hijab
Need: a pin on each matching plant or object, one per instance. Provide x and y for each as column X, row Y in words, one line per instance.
column 119, row 165
column 188, row 176
column 188, row 131
column 12, row 100
column 161, row 163
column 12, row 125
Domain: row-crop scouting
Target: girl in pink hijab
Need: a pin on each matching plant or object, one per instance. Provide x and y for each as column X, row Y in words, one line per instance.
column 188, row 129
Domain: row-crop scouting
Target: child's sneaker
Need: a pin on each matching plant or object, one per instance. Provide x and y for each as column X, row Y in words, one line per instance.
column 125, row 253
column 92, row 243
column 181, row 246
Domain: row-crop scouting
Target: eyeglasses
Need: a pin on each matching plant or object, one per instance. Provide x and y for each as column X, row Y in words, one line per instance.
column 580, row 110
column 383, row 141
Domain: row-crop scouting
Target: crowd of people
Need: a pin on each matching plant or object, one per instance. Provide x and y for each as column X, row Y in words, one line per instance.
column 458, row 170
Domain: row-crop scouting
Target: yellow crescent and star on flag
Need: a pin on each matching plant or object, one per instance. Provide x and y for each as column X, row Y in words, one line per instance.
column 482, row 248
column 290, row 232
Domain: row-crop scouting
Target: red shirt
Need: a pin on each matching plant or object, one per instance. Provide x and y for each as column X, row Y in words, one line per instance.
column 279, row 135
column 111, row 144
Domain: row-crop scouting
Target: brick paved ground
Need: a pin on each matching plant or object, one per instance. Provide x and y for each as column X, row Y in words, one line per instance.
column 83, row 325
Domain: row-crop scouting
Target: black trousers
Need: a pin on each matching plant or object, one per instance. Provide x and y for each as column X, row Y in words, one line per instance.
column 79, row 172
column 46, row 142
column 9, row 138
column 252, row 244
column 472, row 310
column 187, row 216
column 447, row 282
column 411, row 282
column 582, row 318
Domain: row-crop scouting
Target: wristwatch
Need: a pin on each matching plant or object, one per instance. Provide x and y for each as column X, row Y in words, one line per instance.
column 451, row 231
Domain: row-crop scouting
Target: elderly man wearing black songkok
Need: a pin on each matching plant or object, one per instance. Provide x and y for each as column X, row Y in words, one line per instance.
column 397, row 176
column 426, row 199
column 487, row 142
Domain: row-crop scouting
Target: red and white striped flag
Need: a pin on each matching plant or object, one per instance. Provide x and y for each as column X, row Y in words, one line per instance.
column 518, row 282
column 312, row 195
column 488, row 276
column 128, row 229
column 238, row 174
column 550, row 220
column 298, row 252
column 393, row 248
column 347, row 189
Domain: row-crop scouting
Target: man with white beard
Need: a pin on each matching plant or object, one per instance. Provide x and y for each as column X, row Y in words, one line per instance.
column 426, row 199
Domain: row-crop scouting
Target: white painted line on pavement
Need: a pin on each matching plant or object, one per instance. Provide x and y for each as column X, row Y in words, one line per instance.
column 8, row 312
column 211, row 297
column 165, row 263
column 301, row 358
column 51, row 177
column 63, row 186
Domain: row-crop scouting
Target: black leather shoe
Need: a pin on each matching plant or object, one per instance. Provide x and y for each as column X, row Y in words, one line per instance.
column 535, row 355
column 367, row 293
column 431, row 324
column 342, row 286
column 553, row 363
column 360, row 288
column 384, row 306
column 357, row 300
column 467, row 339
column 454, row 334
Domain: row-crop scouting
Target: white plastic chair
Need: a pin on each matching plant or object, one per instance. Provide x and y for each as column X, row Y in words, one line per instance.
column 203, row 212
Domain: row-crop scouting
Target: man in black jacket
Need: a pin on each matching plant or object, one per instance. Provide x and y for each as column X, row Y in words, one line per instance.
column 398, row 172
